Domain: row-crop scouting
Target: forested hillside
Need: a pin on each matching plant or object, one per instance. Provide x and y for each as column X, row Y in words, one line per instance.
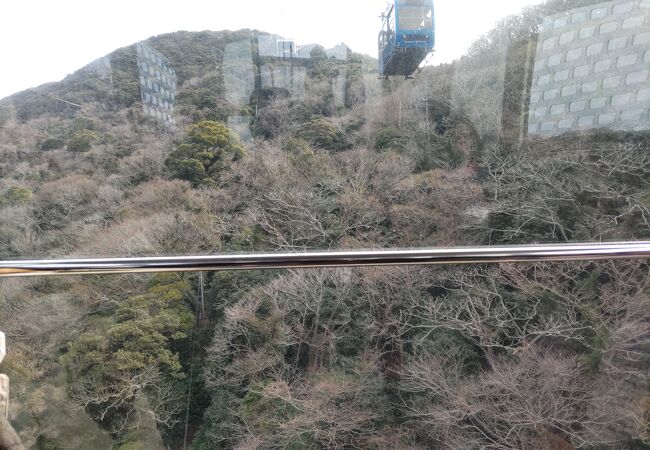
column 530, row 356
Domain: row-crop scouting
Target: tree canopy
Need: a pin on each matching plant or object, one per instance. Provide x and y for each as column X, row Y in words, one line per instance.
column 207, row 149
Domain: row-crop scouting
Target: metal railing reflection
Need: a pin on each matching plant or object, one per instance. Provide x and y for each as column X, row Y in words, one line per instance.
column 461, row 255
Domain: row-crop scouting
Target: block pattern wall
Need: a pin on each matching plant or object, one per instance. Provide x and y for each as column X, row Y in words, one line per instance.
column 157, row 84
column 592, row 70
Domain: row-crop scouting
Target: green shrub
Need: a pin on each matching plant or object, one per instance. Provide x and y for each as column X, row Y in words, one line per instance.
column 45, row 443
column 52, row 144
column 320, row 132
column 207, row 149
column 17, row 195
column 203, row 104
column 263, row 412
column 390, row 139
column 131, row 445
column 82, row 141
column 145, row 335
column 125, row 80
column 296, row 147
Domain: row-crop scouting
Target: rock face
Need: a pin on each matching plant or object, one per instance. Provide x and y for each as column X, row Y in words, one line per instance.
column 591, row 70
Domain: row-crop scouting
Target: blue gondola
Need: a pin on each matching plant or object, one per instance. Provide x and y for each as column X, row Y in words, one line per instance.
column 407, row 36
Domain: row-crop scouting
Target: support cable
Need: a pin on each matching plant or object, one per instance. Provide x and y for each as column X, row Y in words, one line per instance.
column 200, row 301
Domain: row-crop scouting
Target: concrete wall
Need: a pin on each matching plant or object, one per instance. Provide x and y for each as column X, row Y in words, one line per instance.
column 592, row 70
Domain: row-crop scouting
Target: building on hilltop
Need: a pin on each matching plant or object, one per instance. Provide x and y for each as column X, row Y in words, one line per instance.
column 267, row 67
column 277, row 67
column 272, row 45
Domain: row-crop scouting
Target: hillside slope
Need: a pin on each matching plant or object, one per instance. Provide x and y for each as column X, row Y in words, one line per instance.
column 191, row 143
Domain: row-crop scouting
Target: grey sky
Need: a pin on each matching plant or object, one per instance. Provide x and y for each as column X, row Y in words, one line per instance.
column 44, row 40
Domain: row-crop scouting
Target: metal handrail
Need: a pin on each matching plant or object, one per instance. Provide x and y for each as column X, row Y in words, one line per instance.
column 460, row 255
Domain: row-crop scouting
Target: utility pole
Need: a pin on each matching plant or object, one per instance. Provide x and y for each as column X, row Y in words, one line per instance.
column 9, row 440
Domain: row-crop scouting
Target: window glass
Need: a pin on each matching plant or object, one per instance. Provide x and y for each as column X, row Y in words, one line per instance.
column 197, row 128
column 415, row 18
column 414, row 3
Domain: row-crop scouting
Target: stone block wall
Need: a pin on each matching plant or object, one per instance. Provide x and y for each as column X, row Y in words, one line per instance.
column 157, row 84
column 592, row 70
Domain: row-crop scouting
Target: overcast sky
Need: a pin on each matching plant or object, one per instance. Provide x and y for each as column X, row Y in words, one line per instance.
column 44, row 40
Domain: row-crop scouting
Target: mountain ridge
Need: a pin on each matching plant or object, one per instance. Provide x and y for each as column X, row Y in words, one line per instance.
column 193, row 55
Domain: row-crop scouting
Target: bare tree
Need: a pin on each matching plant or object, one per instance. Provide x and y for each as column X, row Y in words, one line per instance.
column 129, row 399
column 537, row 400
column 583, row 190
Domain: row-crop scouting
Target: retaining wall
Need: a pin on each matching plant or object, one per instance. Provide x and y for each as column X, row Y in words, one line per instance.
column 592, row 70
column 157, row 83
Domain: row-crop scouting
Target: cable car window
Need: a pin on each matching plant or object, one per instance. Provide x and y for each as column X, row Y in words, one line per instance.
column 136, row 129
column 423, row 3
column 415, row 18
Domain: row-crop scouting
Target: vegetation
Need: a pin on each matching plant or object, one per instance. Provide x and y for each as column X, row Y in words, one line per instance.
column 320, row 133
column 110, row 372
column 81, row 141
column 207, row 150
column 530, row 356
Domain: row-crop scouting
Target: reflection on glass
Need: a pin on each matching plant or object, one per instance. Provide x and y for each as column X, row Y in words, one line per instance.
column 241, row 126
column 268, row 70
column 196, row 142
column 157, row 83
column 403, row 49
column 415, row 18
column 591, row 70
column 239, row 72
column 478, row 86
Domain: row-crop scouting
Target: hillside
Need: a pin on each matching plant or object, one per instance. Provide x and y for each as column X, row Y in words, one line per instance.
column 198, row 143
